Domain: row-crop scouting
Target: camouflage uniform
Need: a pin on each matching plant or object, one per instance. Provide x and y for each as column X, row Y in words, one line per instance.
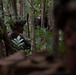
column 26, row 44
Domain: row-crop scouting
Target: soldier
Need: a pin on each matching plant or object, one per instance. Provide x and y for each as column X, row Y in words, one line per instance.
column 17, row 30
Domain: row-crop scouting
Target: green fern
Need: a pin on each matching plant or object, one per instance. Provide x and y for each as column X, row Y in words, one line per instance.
column 18, row 43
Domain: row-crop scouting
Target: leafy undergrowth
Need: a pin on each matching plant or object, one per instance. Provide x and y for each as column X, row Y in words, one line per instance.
column 44, row 41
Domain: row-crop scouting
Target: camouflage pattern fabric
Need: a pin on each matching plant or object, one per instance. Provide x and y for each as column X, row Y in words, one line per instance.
column 35, row 64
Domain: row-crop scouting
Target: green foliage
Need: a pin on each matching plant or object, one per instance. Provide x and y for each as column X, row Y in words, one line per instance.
column 11, row 23
column 62, row 47
column 43, row 39
column 18, row 43
column 37, row 8
column 1, row 31
column 41, row 33
column 27, row 52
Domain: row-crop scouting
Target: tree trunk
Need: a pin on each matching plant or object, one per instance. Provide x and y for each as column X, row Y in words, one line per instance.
column 8, row 9
column 14, row 5
column 55, row 38
column 8, row 44
column 3, row 34
column 42, row 12
column 22, row 8
column 32, row 26
column 1, row 43
column 28, row 26
column 50, row 16
column 1, row 9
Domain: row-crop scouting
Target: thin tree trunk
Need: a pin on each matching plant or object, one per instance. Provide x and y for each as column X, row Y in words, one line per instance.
column 50, row 16
column 22, row 8
column 14, row 5
column 42, row 12
column 1, row 49
column 1, row 8
column 9, row 8
column 1, row 43
column 32, row 26
column 28, row 26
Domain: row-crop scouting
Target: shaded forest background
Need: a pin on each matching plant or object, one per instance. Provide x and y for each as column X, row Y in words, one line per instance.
column 43, row 36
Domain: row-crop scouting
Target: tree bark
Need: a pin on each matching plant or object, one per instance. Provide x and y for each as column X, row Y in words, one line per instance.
column 14, row 5
column 3, row 33
column 50, row 16
column 1, row 43
column 28, row 26
column 32, row 26
column 8, row 44
column 42, row 12
column 1, row 9
column 55, row 38
column 22, row 8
